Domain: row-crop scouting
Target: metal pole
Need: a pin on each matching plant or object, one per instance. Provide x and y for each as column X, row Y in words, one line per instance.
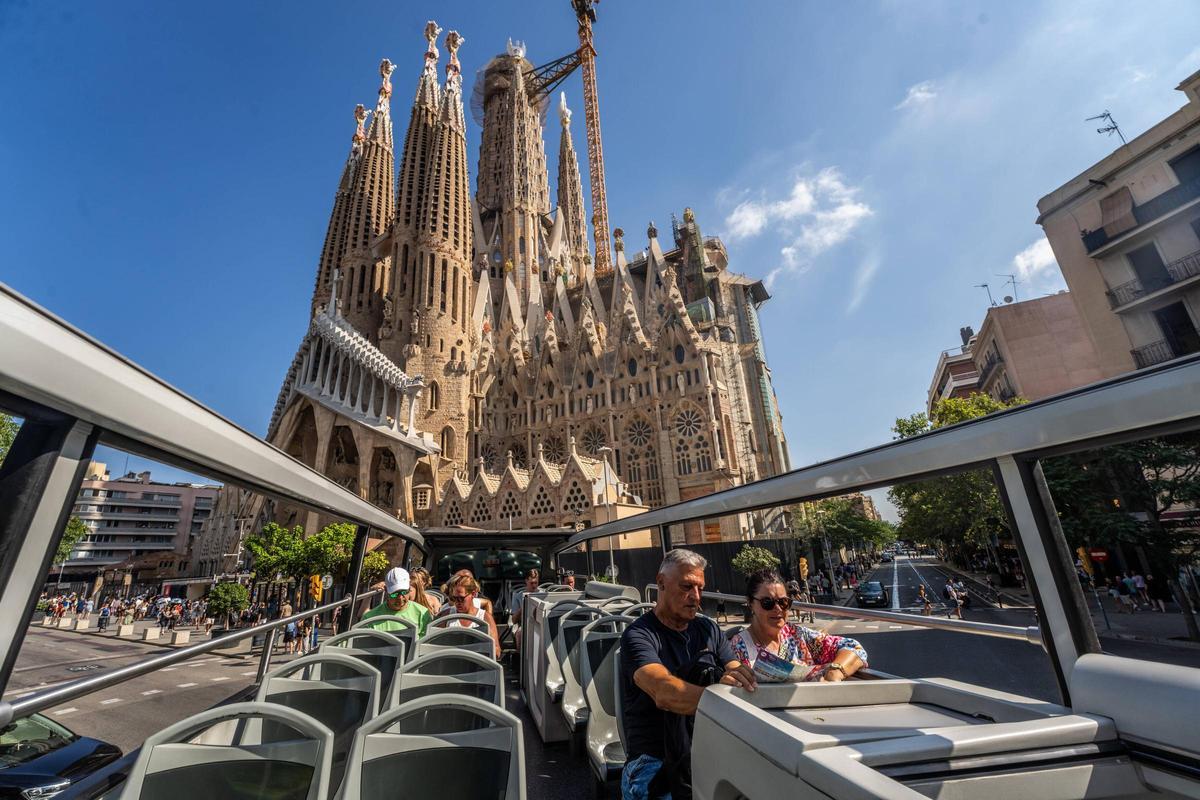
column 264, row 661
column 355, row 574
column 1103, row 610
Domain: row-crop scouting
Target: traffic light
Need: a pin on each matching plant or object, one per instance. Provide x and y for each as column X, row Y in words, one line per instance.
column 314, row 588
column 803, row 568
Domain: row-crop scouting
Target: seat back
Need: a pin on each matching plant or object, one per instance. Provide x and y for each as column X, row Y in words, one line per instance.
column 336, row 690
column 637, row 610
column 383, row 651
column 614, row 605
column 403, row 629
column 233, row 761
column 573, row 704
column 600, row 644
column 436, row 595
column 422, row 740
column 450, row 671
column 440, row 637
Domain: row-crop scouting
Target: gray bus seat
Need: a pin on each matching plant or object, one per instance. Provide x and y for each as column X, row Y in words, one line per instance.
column 637, row 610
column 438, row 637
column 436, row 595
column 339, row 691
column 572, row 702
column 620, row 600
column 411, row 747
column 407, row 633
column 383, row 651
column 172, row 766
column 554, row 618
column 600, row 644
column 449, row 671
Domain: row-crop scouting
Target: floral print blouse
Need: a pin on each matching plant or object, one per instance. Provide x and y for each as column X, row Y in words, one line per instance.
column 799, row 645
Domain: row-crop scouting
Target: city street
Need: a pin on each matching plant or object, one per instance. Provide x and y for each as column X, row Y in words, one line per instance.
column 126, row 714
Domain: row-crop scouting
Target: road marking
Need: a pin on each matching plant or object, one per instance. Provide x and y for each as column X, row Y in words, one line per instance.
column 184, row 685
column 169, row 669
column 872, row 627
column 219, row 678
column 149, row 692
column 895, row 586
column 62, row 711
column 110, row 701
column 896, row 627
column 248, row 674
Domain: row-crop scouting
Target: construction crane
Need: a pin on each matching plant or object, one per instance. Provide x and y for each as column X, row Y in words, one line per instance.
column 540, row 82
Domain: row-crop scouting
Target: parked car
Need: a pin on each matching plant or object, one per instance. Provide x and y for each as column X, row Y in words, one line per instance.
column 40, row 757
column 872, row 593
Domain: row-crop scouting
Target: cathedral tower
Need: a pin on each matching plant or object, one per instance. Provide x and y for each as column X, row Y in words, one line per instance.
column 513, row 188
column 432, row 302
column 370, row 206
column 336, row 232
column 570, row 200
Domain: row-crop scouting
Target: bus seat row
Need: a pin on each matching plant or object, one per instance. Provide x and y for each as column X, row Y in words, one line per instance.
column 254, row 750
column 298, row 738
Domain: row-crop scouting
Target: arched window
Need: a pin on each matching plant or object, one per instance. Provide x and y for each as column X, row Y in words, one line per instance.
column 447, row 442
column 434, row 397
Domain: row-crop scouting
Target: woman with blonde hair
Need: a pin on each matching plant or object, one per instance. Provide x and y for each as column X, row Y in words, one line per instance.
column 461, row 591
column 421, row 580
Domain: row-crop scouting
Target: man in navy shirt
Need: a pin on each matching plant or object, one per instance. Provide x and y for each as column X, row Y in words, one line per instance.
column 667, row 658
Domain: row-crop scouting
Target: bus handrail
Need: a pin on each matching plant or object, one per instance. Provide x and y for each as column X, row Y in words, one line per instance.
column 47, row 698
column 1030, row 635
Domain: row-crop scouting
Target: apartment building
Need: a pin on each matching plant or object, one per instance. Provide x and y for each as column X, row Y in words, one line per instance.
column 1126, row 234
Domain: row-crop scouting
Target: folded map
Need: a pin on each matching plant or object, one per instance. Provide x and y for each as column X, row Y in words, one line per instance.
column 770, row 668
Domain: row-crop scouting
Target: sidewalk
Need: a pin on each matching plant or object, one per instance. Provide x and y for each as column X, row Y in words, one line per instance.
column 164, row 640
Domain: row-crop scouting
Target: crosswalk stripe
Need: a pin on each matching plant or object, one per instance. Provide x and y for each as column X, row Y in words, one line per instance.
column 149, row 692
column 248, row 674
column 184, row 685
column 220, row 678
column 110, row 701
column 62, row 711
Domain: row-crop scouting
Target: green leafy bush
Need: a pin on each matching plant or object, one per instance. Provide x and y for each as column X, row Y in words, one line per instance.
column 750, row 559
column 227, row 598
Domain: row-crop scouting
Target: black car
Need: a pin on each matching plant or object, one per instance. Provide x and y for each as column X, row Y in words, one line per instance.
column 41, row 758
column 872, row 593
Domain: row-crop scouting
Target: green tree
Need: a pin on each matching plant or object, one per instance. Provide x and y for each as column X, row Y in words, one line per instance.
column 72, row 533
column 227, row 598
column 375, row 565
column 8, row 434
column 288, row 552
column 750, row 559
column 959, row 509
column 843, row 523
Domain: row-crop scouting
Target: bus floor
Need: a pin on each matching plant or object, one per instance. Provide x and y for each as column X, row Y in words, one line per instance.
column 551, row 772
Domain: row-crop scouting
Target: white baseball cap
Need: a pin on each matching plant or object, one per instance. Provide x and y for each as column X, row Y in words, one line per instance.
column 396, row 580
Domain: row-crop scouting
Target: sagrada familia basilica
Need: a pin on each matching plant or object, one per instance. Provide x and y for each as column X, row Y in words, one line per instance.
column 469, row 364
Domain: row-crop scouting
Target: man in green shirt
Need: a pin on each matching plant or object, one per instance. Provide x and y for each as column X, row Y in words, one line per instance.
column 396, row 604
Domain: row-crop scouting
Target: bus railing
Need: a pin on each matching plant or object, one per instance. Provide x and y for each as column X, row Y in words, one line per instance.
column 1031, row 634
column 48, row 698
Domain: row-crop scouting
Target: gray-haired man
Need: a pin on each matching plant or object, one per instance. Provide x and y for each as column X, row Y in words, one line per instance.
column 667, row 658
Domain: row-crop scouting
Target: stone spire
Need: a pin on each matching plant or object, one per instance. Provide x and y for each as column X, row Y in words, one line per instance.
column 414, row 163
column 570, row 199
column 338, row 230
column 370, row 208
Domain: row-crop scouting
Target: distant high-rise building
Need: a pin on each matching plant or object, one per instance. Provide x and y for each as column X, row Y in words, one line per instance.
column 1126, row 234
column 465, row 364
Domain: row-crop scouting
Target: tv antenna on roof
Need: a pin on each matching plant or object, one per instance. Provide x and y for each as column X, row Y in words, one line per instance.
column 984, row 286
column 1110, row 128
column 1012, row 279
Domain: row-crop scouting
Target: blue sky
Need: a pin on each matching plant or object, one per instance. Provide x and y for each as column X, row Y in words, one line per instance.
column 168, row 170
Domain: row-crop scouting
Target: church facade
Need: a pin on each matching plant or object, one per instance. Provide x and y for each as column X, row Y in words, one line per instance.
column 465, row 363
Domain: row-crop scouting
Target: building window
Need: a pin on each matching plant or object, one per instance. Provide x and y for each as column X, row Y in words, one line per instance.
column 447, row 442
column 434, row 397
column 421, row 497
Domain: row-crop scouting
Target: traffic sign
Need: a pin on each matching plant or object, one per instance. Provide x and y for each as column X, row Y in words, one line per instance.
column 1098, row 555
column 326, row 581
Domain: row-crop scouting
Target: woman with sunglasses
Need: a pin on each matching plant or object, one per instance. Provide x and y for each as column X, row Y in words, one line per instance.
column 831, row 658
column 461, row 592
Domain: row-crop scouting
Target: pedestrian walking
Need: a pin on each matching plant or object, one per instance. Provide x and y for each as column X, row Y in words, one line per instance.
column 103, row 619
column 923, row 599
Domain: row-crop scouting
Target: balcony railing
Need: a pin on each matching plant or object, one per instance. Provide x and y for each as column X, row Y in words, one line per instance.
column 989, row 366
column 1178, row 270
column 1148, row 211
column 1153, row 353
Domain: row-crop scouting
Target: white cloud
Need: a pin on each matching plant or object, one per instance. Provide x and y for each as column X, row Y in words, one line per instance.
column 919, row 94
column 819, row 212
column 863, row 279
column 1032, row 262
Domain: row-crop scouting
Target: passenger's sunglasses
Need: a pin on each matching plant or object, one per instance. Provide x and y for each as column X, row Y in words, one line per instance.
column 399, row 593
column 769, row 603
column 459, row 599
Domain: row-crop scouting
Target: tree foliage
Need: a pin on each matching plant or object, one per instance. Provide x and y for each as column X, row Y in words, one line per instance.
column 750, row 559
column 375, row 565
column 8, row 434
column 286, row 551
column 227, row 598
column 963, row 507
column 842, row 521
column 72, row 533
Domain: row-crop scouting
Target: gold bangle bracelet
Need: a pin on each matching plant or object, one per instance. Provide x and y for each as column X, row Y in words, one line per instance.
column 837, row 666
